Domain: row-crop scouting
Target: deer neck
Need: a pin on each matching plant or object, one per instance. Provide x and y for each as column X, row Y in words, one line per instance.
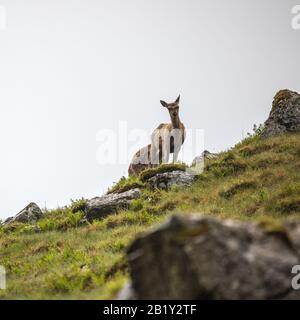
column 175, row 122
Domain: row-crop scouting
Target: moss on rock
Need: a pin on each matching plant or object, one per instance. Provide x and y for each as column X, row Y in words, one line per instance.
column 149, row 173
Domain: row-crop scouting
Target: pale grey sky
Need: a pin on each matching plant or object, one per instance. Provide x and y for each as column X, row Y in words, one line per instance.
column 69, row 68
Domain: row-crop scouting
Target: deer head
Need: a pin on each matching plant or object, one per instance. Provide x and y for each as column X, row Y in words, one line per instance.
column 172, row 107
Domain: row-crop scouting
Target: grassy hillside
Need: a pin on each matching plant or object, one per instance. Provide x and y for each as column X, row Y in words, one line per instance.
column 59, row 258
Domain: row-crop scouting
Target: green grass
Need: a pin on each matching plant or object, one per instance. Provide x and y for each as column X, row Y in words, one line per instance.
column 126, row 184
column 81, row 263
column 59, row 257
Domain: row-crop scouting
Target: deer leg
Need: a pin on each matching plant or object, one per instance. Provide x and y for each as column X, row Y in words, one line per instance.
column 175, row 154
column 165, row 150
column 155, row 147
column 153, row 155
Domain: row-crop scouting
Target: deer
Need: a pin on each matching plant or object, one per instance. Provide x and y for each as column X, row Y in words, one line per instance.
column 168, row 137
column 141, row 161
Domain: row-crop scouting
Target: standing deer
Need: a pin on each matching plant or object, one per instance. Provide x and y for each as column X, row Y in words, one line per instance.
column 168, row 137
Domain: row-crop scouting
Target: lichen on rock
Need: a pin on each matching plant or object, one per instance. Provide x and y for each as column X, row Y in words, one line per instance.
column 285, row 114
column 30, row 214
column 194, row 257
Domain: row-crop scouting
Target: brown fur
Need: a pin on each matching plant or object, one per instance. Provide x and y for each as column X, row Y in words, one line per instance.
column 163, row 133
column 169, row 127
column 152, row 155
column 140, row 161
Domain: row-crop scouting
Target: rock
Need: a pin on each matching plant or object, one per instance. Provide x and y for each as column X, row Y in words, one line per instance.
column 29, row 214
column 198, row 163
column 206, row 155
column 167, row 179
column 285, row 114
column 7, row 220
column 192, row 257
column 100, row 207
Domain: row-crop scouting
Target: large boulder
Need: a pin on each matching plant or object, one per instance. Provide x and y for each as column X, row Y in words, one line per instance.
column 285, row 114
column 193, row 257
column 100, row 207
column 29, row 214
column 166, row 180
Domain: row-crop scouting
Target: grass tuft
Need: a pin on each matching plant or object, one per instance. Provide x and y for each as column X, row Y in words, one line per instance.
column 238, row 187
column 125, row 184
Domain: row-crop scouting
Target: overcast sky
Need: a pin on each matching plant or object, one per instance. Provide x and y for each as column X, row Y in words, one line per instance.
column 70, row 68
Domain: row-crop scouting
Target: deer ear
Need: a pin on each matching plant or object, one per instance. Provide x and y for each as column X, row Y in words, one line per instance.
column 163, row 103
column 177, row 100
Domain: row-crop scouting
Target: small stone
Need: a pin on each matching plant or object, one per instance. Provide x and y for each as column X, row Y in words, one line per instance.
column 100, row 207
column 29, row 214
column 206, row 155
column 168, row 179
